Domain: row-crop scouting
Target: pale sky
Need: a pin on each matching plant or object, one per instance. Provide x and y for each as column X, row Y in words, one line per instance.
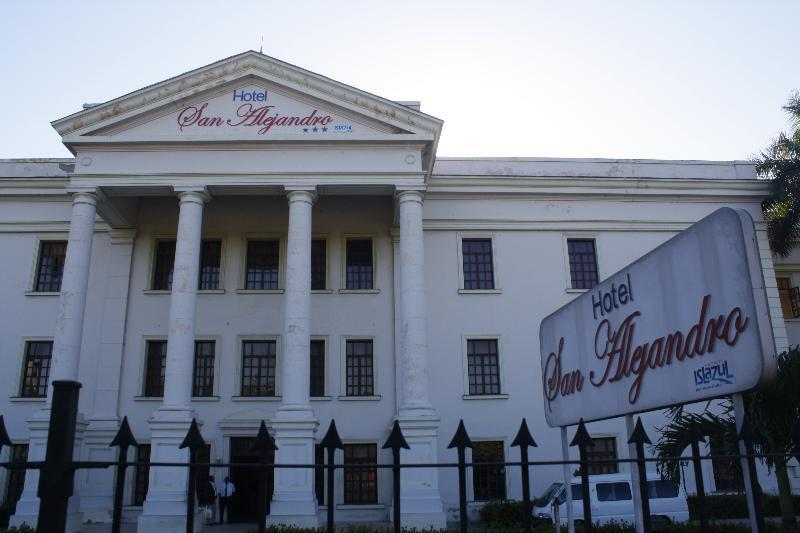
column 678, row 79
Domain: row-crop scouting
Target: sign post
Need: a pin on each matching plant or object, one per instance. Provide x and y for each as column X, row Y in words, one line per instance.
column 688, row 321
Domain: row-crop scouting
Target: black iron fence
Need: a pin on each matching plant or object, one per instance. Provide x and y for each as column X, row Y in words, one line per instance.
column 57, row 471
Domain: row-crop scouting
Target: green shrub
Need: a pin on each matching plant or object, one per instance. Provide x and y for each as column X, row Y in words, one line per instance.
column 505, row 514
column 735, row 506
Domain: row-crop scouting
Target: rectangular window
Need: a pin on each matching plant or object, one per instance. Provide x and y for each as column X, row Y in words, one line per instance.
column 360, row 484
column 662, row 489
column 790, row 297
column 258, row 368
column 35, row 378
column 582, row 263
column 50, row 268
column 155, row 369
column 317, row 382
column 261, row 271
column 210, row 259
column 16, row 478
column 604, row 448
column 319, row 264
column 141, row 474
column 319, row 474
column 164, row 262
column 359, row 268
column 483, row 367
column 478, row 264
column 489, row 481
column 359, row 368
column 203, row 385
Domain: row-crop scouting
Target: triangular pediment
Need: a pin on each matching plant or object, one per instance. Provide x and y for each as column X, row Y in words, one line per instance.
column 248, row 97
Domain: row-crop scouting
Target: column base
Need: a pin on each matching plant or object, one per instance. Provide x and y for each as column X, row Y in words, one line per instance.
column 421, row 502
column 27, row 511
column 294, row 502
column 164, row 509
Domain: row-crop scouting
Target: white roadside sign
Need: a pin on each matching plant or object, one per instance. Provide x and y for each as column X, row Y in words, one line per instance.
column 686, row 322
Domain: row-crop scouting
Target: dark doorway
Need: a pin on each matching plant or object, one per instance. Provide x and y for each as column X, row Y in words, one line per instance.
column 244, row 504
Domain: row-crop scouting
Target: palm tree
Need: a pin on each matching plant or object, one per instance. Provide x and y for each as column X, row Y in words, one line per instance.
column 780, row 162
column 773, row 411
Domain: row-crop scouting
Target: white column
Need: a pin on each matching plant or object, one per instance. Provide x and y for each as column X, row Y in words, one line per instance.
column 165, row 507
column 294, row 501
column 421, row 500
column 66, row 351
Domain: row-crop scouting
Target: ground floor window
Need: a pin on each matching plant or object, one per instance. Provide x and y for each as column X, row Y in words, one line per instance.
column 319, row 474
column 360, row 484
column 16, row 478
column 602, row 449
column 488, row 481
column 142, row 474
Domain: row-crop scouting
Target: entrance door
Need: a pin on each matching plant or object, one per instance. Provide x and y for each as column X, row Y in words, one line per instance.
column 244, row 504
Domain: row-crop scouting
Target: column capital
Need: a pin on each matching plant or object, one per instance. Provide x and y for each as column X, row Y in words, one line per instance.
column 410, row 195
column 192, row 194
column 85, row 195
column 301, row 194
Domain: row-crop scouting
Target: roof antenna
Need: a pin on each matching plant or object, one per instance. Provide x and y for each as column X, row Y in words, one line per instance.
column 261, row 48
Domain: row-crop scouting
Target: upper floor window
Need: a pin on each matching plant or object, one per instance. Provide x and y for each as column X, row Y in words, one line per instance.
column 155, row 368
column 317, row 381
column 489, row 481
column 210, row 260
column 790, row 297
column 258, row 368
column 50, row 268
column 203, row 385
column 483, row 367
column 38, row 356
column 360, row 484
column 164, row 263
column 359, row 268
column 582, row 263
column 359, row 368
column 602, row 449
column 319, row 264
column 261, row 264
column 478, row 264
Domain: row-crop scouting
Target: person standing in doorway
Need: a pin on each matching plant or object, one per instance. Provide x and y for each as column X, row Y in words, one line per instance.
column 210, row 499
column 225, row 492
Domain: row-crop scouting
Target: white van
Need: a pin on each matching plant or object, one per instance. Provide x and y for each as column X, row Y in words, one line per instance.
column 611, row 498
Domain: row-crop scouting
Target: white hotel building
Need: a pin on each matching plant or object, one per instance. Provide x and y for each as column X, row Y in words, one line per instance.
column 251, row 241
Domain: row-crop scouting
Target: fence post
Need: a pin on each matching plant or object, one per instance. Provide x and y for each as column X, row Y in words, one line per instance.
column 461, row 442
column 639, row 438
column 695, row 438
column 395, row 442
column 57, row 474
column 582, row 439
column 746, row 436
column 523, row 440
column 124, row 439
column 193, row 441
column 331, row 442
column 263, row 444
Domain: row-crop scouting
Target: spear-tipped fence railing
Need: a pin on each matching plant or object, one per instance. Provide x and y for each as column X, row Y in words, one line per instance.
column 57, row 471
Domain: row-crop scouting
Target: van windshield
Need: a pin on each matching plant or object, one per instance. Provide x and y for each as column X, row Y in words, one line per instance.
column 547, row 495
